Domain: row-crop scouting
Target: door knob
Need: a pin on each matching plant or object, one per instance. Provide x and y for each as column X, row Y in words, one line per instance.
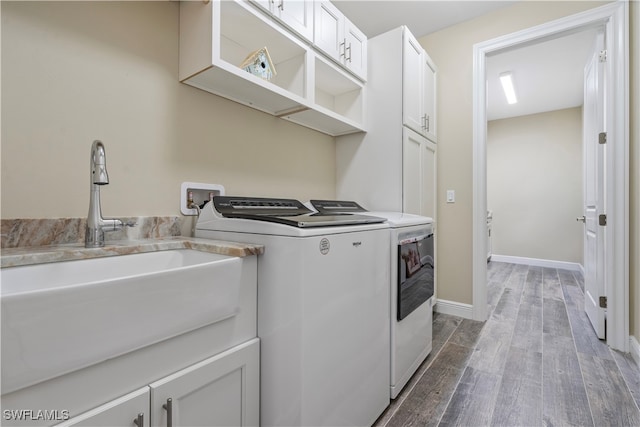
column 582, row 218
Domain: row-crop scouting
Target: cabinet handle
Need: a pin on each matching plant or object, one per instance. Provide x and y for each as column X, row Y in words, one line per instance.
column 281, row 5
column 424, row 122
column 139, row 420
column 349, row 58
column 428, row 123
column 344, row 49
column 169, row 408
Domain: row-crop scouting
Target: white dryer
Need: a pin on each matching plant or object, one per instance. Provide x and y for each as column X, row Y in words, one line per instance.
column 412, row 283
column 323, row 308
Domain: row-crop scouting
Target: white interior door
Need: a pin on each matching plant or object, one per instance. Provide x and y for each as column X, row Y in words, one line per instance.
column 594, row 192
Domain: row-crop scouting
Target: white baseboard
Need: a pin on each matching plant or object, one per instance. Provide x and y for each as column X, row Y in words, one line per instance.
column 454, row 308
column 634, row 349
column 536, row 262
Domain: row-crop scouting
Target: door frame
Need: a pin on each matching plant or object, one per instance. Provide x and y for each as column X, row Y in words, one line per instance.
column 615, row 16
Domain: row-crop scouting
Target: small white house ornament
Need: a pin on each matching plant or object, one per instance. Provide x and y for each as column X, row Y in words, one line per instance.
column 259, row 64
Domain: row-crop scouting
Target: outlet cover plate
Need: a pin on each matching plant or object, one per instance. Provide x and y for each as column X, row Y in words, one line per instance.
column 200, row 194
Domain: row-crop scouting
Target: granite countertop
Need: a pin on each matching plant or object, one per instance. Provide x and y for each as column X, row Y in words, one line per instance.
column 13, row 257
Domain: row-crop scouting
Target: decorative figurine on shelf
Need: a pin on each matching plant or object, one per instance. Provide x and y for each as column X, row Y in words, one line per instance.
column 259, row 64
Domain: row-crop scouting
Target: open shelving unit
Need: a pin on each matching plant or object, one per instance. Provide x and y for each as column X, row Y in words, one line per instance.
column 215, row 38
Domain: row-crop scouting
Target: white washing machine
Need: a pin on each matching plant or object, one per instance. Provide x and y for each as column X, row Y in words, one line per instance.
column 412, row 280
column 323, row 308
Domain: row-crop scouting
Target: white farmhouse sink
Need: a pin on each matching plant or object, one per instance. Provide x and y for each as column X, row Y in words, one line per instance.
column 60, row 317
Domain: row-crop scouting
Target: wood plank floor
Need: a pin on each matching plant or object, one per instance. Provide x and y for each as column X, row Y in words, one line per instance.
column 535, row 362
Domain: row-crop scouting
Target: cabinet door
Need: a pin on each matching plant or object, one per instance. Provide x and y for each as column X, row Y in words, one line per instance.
column 119, row 413
column 297, row 15
column 413, row 83
column 355, row 57
column 428, row 170
column 411, row 171
column 223, row 390
column 328, row 33
column 429, row 114
column 264, row 4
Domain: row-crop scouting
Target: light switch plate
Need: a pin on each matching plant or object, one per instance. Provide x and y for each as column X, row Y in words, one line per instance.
column 451, row 196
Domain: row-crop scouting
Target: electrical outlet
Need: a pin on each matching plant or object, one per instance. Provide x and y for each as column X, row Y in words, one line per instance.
column 201, row 193
column 451, row 196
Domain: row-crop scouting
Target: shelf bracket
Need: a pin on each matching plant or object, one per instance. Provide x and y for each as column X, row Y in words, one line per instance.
column 298, row 109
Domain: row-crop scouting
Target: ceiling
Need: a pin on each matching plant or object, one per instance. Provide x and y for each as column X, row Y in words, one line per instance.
column 548, row 76
column 375, row 17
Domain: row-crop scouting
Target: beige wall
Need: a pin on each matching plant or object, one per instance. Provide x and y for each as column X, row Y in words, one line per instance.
column 71, row 75
column 452, row 50
column 73, row 72
column 534, row 185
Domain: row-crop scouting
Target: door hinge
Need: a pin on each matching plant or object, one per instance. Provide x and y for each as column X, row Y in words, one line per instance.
column 602, row 219
column 603, row 302
column 602, row 138
column 603, row 56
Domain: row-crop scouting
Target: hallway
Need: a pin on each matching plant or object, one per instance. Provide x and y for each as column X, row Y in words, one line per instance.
column 534, row 362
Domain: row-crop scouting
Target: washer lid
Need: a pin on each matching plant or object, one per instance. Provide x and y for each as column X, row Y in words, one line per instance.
column 285, row 211
column 394, row 219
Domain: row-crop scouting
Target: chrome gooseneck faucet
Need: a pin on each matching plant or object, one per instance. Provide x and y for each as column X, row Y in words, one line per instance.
column 96, row 225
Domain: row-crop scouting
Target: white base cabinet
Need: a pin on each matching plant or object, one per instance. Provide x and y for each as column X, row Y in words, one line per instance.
column 128, row 410
column 220, row 391
column 211, row 375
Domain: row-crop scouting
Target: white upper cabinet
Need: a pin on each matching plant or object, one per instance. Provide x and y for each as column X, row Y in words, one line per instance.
column 355, row 57
column 295, row 14
column 339, row 38
column 413, row 91
column 216, row 38
column 329, row 27
column 429, row 77
column 419, row 90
